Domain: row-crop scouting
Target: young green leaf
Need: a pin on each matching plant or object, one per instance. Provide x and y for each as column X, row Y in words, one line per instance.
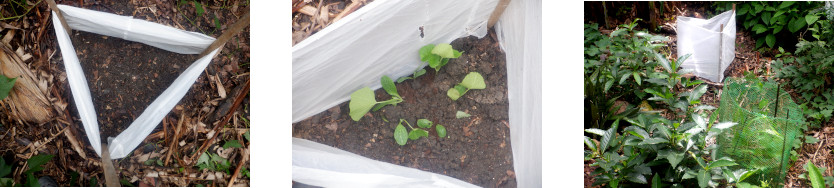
column 199, row 8
column 814, row 175
column 389, row 86
column 721, row 163
column 425, row 52
column 473, row 80
column 5, row 169
column 400, row 134
column 443, row 50
column 461, row 114
column 246, row 135
column 6, row 85
column 703, row 178
column 453, row 94
column 420, row 72
column 417, row 133
column 361, row 101
column 424, row 123
column 656, row 182
column 36, row 161
column 441, row 131
column 232, row 144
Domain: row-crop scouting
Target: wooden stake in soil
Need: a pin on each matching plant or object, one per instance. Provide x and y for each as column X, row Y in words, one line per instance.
column 499, row 10
column 58, row 12
column 111, row 179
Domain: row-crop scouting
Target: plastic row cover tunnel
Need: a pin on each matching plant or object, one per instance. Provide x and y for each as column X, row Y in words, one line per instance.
column 125, row 27
column 382, row 39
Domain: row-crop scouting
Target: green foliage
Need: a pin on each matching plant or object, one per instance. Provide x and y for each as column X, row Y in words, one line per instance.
column 362, row 100
column 438, row 55
column 213, row 162
column 814, row 175
column 401, row 135
column 810, row 72
column 232, row 144
column 461, row 114
column 616, row 67
column 473, row 80
column 6, row 85
column 775, row 19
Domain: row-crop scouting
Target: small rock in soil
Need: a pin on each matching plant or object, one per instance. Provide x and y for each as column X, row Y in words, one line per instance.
column 332, row 126
column 47, row 181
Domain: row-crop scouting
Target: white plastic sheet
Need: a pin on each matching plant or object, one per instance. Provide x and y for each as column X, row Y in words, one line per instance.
column 127, row 28
column 712, row 49
column 322, row 165
column 518, row 32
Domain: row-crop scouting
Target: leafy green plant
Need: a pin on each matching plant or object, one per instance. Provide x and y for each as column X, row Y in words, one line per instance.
column 438, row 55
column 771, row 20
column 401, row 135
column 6, row 85
column 362, row 100
column 814, row 175
column 35, row 163
column 213, row 162
column 810, row 72
column 473, row 80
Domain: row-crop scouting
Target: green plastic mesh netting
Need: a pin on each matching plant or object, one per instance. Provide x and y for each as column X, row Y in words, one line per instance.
column 768, row 124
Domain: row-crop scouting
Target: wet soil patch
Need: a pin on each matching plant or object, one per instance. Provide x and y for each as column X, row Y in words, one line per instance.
column 476, row 149
column 124, row 77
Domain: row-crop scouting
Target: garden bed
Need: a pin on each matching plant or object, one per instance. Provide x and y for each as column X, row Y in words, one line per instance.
column 477, row 148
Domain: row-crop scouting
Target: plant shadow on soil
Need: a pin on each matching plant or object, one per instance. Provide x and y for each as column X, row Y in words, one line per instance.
column 476, row 149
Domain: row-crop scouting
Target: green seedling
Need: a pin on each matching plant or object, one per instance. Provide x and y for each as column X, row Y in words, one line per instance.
column 438, row 55
column 473, row 80
column 362, row 100
column 401, row 135
column 6, row 85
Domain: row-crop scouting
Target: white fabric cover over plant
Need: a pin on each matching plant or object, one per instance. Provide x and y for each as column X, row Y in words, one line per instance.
column 707, row 44
column 517, row 32
column 125, row 27
column 383, row 38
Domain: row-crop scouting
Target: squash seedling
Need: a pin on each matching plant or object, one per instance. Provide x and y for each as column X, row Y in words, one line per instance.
column 473, row 80
column 401, row 135
column 362, row 100
column 438, row 55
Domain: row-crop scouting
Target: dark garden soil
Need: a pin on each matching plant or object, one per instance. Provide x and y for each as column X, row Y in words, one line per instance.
column 125, row 78
column 476, row 150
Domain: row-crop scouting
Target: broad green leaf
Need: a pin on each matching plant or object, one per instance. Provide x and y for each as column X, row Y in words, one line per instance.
column 814, row 175
column 766, row 17
column 5, row 169
column 637, row 78
column 637, row 178
column 424, row 123
column 361, row 101
column 400, row 134
column 425, row 52
column 417, row 133
column 771, row 40
column 443, row 50
column 389, row 86
column 473, row 80
column 703, row 178
column 656, row 182
column 654, row 141
column 747, row 174
column 759, row 28
column 461, row 114
column 246, row 135
column 674, row 158
column 232, row 144
column 810, row 19
column 796, row 24
column 434, row 62
column 6, row 85
column 36, row 161
column 786, row 4
column 204, row 158
column 588, row 142
column 199, row 8
column 456, row 54
column 453, row 94
column 596, row 131
column 441, row 130
column 721, row 163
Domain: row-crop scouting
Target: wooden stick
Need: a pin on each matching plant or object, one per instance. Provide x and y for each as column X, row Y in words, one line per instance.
column 54, row 7
column 499, row 10
column 244, row 157
column 111, row 179
column 174, row 140
column 231, row 31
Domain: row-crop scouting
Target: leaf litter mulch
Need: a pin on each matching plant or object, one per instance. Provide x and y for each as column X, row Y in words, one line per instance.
column 749, row 60
column 476, row 149
column 124, row 77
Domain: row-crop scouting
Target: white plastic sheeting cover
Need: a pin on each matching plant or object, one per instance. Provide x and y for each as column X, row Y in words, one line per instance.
column 708, row 44
column 518, row 32
column 382, row 38
column 322, row 165
column 127, row 28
